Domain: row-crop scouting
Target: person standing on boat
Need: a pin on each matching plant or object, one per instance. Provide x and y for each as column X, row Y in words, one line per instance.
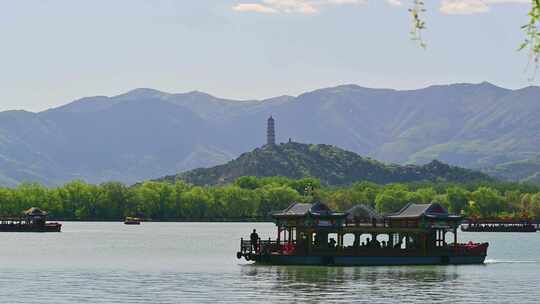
column 332, row 243
column 254, row 239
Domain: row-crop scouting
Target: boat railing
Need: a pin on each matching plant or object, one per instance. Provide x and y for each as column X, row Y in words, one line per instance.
column 284, row 247
column 266, row 246
column 374, row 224
column 503, row 227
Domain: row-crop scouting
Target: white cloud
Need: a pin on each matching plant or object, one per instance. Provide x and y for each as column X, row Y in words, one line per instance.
column 467, row 7
column 506, row 1
column 395, row 2
column 449, row 7
column 254, row 7
column 290, row 6
column 463, row 7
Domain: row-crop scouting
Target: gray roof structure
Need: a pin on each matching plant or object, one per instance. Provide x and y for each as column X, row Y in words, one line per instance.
column 304, row 209
column 295, row 209
column 433, row 210
column 363, row 212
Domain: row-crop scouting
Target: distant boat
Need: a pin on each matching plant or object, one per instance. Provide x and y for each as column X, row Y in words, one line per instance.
column 132, row 221
column 33, row 220
column 499, row 225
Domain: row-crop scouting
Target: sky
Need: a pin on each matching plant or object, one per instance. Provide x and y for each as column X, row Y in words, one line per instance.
column 56, row 51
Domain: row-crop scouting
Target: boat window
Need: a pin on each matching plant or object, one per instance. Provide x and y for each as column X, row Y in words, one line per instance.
column 348, row 240
column 449, row 237
column 364, row 238
column 402, row 242
column 383, row 239
column 332, row 240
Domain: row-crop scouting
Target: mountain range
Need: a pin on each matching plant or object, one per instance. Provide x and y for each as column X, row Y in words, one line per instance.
column 146, row 134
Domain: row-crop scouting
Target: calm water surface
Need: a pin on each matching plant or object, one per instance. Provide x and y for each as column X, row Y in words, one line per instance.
column 196, row 263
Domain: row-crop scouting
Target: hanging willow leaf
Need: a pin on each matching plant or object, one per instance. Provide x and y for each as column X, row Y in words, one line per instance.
column 531, row 29
column 417, row 11
column 532, row 32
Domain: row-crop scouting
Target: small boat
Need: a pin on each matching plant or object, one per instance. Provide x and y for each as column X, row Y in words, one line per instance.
column 499, row 225
column 132, row 221
column 33, row 220
column 312, row 234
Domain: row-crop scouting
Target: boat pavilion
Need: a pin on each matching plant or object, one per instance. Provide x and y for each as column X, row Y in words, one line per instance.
column 314, row 228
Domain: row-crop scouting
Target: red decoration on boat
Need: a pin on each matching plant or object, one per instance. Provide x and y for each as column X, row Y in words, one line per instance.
column 288, row 249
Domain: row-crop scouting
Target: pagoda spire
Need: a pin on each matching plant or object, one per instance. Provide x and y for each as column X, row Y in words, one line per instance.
column 270, row 132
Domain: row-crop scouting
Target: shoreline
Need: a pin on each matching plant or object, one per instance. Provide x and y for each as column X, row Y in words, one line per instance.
column 182, row 220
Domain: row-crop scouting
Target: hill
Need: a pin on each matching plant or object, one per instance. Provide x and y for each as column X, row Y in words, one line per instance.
column 527, row 170
column 145, row 133
column 332, row 165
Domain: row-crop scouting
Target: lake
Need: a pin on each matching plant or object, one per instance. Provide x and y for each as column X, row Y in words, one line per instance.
column 196, row 263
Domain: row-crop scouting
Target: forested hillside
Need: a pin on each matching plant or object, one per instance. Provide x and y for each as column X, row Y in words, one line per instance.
column 329, row 164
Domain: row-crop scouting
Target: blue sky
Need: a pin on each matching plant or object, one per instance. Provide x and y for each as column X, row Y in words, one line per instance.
column 55, row 51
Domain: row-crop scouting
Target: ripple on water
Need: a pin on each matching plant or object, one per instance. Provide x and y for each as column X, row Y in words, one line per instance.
column 194, row 263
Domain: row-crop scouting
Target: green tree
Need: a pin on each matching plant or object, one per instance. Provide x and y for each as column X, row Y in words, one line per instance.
column 534, row 207
column 7, row 206
column 364, row 193
column 275, row 198
column 248, row 182
column 180, row 187
column 306, row 186
column 458, row 199
column 525, row 203
column 392, row 199
column 488, row 201
column 116, row 201
column 197, row 202
column 512, row 200
column 240, row 202
column 28, row 195
column 426, row 195
column 76, row 198
column 155, row 199
column 443, row 200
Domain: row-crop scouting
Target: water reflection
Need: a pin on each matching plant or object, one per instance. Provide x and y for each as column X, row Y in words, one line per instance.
column 348, row 282
column 337, row 275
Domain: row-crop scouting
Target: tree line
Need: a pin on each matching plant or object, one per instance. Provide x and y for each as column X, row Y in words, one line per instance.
column 250, row 197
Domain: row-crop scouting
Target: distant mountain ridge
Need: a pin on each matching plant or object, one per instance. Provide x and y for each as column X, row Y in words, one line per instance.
column 332, row 165
column 145, row 133
column 527, row 170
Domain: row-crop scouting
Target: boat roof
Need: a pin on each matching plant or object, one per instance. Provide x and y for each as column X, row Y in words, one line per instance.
column 34, row 211
column 305, row 209
column 362, row 211
column 433, row 210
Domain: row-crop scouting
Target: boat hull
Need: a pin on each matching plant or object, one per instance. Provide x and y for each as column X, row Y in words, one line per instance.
column 500, row 229
column 31, row 228
column 368, row 260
